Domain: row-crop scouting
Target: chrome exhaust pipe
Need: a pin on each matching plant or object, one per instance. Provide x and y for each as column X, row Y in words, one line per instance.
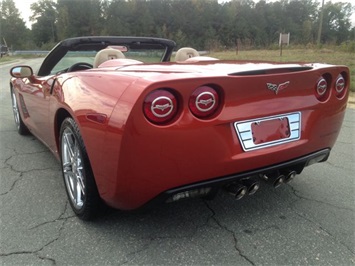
column 236, row 190
column 290, row 176
column 275, row 178
column 251, row 184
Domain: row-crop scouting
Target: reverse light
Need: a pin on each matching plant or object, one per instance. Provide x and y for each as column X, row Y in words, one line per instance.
column 160, row 106
column 204, row 102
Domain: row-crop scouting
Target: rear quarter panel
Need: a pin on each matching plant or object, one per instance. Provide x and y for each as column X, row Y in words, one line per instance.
column 83, row 94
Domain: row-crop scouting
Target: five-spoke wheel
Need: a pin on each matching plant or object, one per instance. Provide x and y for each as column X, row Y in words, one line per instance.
column 73, row 168
column 78, row 177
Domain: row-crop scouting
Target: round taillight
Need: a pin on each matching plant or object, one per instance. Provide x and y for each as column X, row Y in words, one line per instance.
column 340, row 86
column 204, row 102
column 322, row 89
column 160, row 106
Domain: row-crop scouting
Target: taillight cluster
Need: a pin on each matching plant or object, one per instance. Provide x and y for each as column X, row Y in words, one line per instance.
column 204, row 102
column 162, row 106
column 324, row 86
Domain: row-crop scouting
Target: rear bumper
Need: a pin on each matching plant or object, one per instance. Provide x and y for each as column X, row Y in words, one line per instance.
column 295, row 165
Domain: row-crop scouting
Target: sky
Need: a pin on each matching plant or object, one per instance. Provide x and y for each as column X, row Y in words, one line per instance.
column 24, row 7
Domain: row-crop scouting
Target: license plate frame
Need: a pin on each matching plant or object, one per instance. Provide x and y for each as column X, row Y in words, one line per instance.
column 245, row 133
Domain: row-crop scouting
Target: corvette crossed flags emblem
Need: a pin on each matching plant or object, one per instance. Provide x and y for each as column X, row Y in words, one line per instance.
column 277, row 87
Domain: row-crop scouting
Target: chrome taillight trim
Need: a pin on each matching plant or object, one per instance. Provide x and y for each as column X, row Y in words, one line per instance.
column 199, row 101
column 321, row 87
column 169, row 105
column 340, row 84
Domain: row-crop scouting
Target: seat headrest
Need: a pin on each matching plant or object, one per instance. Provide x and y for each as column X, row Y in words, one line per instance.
column 105, row 55
column 185, row 53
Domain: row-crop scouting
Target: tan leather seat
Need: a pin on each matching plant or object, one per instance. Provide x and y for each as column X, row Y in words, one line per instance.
column 185, row 53
column 105, row 55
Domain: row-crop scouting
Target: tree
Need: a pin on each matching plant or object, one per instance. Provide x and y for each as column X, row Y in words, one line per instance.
column 116, row 15
column 12, row 26
column 202, row 24
column 79, row 18
column 44, row 16
column 300, row 15
column 336, row 22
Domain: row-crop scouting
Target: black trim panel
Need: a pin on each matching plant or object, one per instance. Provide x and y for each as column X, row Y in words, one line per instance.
column 297, row 164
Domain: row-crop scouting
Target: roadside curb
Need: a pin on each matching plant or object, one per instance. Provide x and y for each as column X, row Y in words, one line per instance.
column 351, row 100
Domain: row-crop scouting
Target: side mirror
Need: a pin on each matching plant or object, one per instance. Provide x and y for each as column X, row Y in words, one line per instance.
column 21, row 72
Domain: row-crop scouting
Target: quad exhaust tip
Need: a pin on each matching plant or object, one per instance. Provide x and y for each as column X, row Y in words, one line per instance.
column 247, row 186
column 237, row 190
column 275, row 179
column 252, row 184
column 290, row 176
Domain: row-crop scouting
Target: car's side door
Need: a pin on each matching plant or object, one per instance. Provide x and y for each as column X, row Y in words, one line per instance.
column 34, row 97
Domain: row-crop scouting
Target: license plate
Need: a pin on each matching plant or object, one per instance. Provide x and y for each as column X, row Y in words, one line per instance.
column 268, row 131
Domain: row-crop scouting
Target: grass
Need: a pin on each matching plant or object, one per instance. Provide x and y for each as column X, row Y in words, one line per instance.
column 329, row 56
column 10, row 58
column 5, row 59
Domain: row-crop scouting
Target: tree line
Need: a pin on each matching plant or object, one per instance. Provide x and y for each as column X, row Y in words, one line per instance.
column 203, row 24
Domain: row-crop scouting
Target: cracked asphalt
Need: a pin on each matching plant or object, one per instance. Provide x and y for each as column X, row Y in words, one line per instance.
column 309, row 221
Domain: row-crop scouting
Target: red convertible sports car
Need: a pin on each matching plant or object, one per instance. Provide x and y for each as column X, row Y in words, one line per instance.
column 131, row 124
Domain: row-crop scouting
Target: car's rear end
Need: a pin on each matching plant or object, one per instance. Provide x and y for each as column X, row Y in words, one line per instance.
column 189, row 134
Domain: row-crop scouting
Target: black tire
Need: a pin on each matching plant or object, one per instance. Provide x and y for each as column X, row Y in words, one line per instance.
column 78, row 177
column 21, row 127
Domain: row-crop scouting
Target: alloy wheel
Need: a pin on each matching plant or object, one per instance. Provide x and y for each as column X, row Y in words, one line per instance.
column 73, row 170
column 15, row 109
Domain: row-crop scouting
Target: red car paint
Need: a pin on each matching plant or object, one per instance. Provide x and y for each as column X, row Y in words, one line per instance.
column 135, row 160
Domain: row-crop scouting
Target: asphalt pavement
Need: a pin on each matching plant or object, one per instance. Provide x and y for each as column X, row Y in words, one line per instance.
column 309, row 221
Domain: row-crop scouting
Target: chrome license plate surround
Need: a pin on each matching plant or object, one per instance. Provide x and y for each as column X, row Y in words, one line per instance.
column 245, row 135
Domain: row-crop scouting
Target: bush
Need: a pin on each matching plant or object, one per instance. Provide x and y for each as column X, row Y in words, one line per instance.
column 48, row 46
column 348, row 46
